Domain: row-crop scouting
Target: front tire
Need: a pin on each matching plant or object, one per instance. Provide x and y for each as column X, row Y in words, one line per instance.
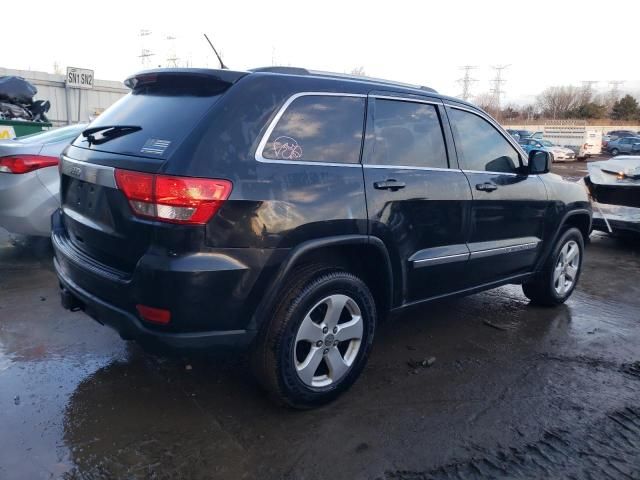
column 615, row 152
column 561, row 272
column 318, row 339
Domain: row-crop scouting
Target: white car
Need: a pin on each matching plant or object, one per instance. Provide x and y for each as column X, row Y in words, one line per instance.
column 560, row 154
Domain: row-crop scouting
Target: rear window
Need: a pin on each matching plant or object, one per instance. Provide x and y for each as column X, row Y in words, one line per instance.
column 318, row 128
column 165, row 107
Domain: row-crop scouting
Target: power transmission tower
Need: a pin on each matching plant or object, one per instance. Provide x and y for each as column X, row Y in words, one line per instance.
column 587, row 90
column 615, row 88
column 496, row 85
column 172, row 59
column 145, row 53
column 466, row 81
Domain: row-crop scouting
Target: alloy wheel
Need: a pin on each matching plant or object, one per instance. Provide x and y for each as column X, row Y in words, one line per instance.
column 328, row 340
column 567, row 267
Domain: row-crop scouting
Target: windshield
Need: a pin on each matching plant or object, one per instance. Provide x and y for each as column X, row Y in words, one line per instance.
column 546, row 143
column 54, row 135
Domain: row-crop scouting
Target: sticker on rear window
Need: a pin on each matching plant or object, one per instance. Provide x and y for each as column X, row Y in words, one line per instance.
column 155, row 146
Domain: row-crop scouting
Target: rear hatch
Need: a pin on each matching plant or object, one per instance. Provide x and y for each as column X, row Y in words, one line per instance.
column 138, row 133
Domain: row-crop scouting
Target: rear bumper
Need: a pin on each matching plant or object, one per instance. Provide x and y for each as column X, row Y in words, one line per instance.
column 25, row 204
column 211, row 295
column 129, row 327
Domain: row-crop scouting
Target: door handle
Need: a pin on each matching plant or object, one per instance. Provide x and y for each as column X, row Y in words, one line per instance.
column 390, row 184
column 486, row 187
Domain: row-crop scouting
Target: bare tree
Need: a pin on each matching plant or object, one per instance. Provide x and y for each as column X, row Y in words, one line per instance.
column 358, row 71
column 559, row 102
column 486, row 102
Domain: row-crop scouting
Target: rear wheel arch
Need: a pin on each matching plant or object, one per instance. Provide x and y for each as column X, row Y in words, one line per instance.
column 361, row 255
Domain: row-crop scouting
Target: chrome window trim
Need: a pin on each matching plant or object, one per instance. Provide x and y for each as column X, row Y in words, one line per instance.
column 409, row 167
column 405, row 99
column 497, row 173
column 88, row 172
column 276, row 119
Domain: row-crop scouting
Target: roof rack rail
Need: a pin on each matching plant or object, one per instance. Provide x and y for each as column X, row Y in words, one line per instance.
column 320, row 73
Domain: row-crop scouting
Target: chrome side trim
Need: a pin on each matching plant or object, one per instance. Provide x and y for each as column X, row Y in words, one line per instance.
column 88, row 172
column 276, row 119
column 428, row 262
column 439, row 255
column 503, row 247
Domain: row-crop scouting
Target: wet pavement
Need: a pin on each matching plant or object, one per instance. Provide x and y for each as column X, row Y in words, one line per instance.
column 515, row 391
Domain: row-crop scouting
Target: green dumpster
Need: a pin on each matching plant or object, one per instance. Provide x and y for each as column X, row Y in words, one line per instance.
column 16, row 128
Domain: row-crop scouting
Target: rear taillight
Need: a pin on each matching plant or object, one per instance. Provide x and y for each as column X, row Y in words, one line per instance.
column 26, row 163
column 184, row 200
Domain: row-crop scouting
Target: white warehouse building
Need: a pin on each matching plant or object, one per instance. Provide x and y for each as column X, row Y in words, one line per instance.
column 83, row 104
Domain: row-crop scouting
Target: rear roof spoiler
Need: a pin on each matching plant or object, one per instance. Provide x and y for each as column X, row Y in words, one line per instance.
column 225, row 76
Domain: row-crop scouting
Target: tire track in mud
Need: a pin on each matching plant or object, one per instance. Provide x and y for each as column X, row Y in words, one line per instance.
column 608, row 448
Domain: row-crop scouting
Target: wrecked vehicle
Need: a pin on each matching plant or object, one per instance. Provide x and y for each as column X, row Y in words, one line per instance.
column 16, row 101
column 614, row 186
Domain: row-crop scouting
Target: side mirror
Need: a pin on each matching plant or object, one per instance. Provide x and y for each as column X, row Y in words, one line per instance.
column 539, row 161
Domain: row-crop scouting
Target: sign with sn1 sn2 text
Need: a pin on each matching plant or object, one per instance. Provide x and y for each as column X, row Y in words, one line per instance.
column 79, row 78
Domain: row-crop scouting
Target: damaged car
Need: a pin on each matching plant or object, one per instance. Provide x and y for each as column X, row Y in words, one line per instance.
column 614, row 186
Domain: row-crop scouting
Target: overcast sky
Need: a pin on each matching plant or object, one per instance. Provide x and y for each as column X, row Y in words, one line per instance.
column 544, row 42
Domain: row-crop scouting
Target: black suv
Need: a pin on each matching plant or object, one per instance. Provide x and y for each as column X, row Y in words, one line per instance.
column 288, row 211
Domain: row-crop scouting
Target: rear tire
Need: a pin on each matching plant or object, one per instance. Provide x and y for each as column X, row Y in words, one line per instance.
column 561, row 272
column 318, row 339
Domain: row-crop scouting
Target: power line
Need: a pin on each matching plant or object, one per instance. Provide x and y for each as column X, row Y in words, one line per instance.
column 496, row 88
column 466, row 81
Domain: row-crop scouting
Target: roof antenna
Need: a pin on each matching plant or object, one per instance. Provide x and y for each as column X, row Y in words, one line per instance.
column 222, row 65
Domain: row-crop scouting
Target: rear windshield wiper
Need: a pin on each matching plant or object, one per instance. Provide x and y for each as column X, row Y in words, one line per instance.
column 108, row 132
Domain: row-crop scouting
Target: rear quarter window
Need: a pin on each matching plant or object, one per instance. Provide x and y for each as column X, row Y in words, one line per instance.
column 318, row 128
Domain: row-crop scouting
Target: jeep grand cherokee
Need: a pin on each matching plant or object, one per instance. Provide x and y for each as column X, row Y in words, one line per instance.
column 287, row 211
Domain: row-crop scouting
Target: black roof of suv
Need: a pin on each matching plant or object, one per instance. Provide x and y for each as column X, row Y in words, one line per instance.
column 287, row 210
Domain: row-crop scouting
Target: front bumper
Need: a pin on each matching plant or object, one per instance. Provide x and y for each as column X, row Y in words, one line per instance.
column 564, row 157
column 621, row 219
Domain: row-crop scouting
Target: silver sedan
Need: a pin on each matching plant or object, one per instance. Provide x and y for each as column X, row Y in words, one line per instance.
column 29, row 179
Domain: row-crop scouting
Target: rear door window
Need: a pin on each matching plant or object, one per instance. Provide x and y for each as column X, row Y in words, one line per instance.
column 166, row 109
column 407, row 134
column 318, row 128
